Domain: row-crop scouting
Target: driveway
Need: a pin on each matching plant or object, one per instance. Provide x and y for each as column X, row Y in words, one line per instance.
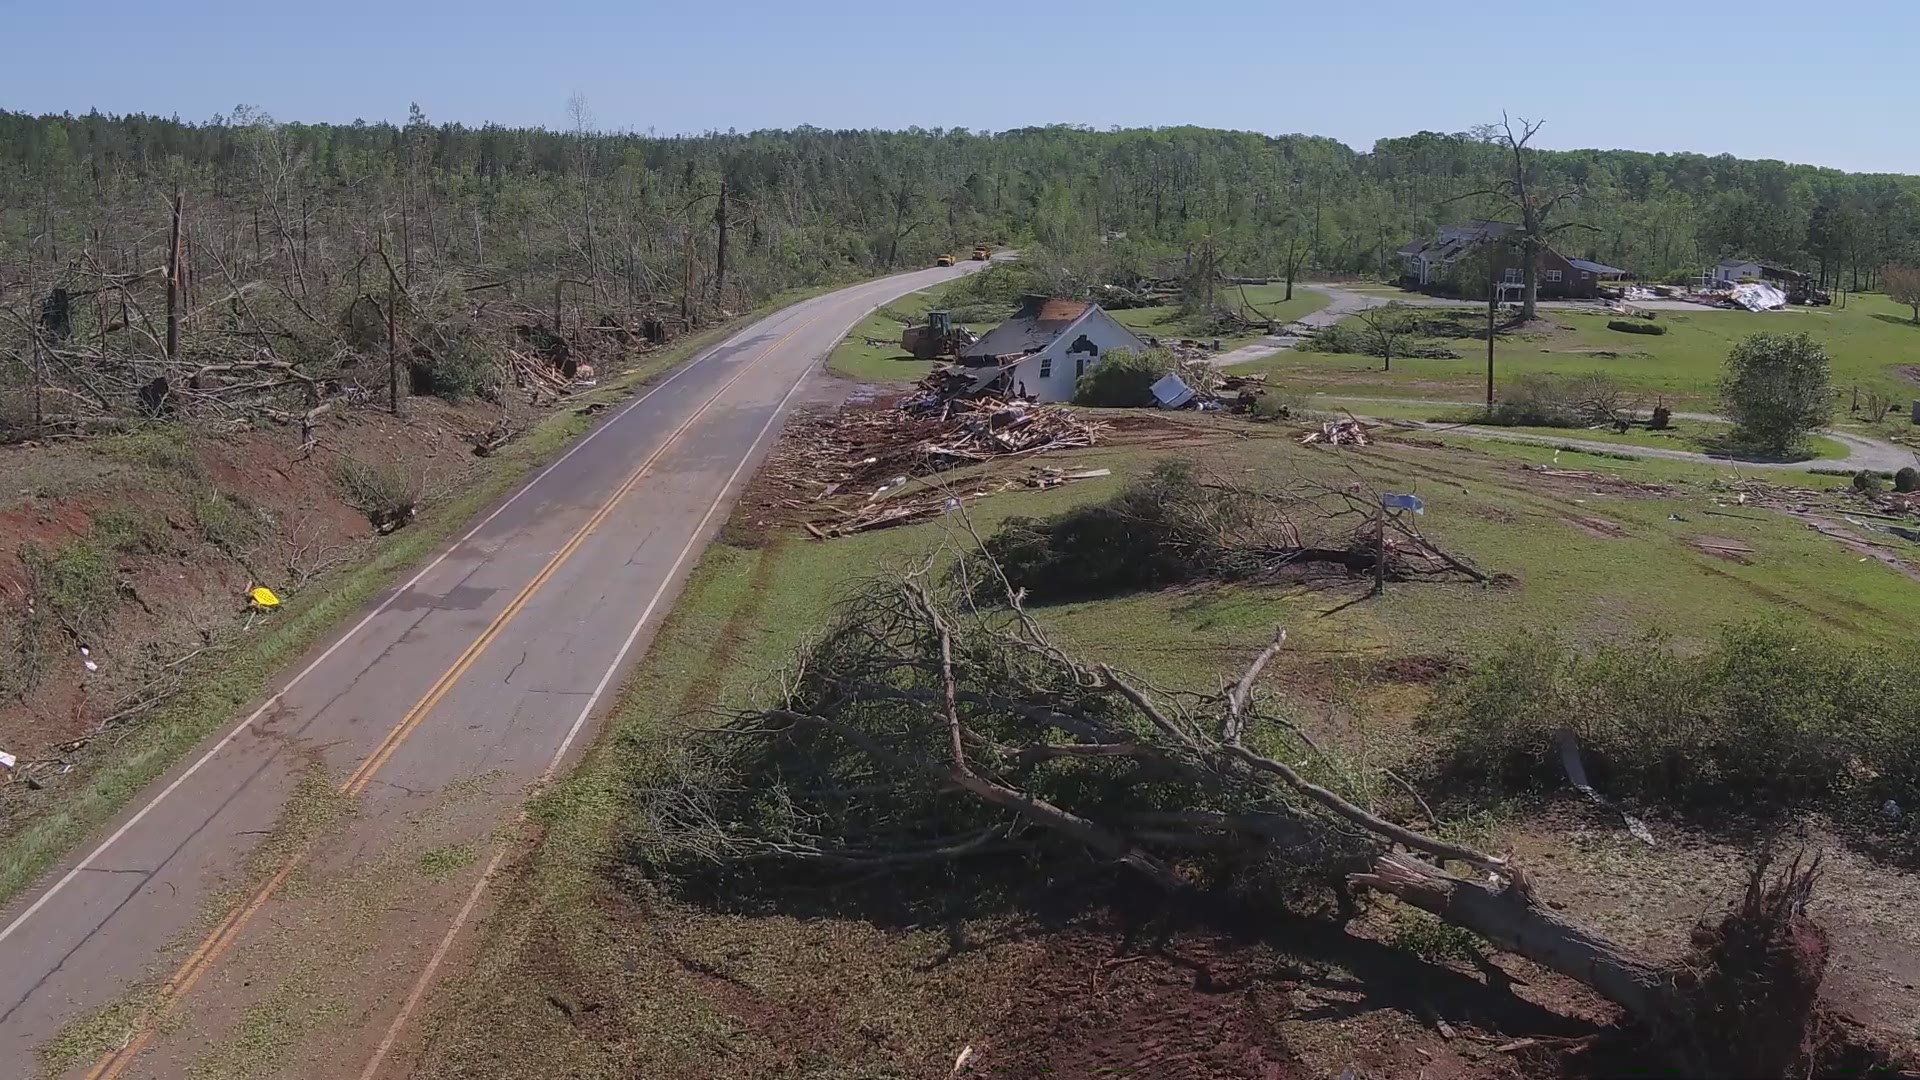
column 311, row 868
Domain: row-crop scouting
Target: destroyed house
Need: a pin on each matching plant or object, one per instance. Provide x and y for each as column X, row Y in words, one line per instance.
column 1729, row 272
column 1438, row 265
column 1043, row 350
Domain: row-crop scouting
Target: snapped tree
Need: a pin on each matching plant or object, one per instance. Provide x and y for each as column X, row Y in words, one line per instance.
column 1387, row 326
column 1779, row 389
column 1530, row 203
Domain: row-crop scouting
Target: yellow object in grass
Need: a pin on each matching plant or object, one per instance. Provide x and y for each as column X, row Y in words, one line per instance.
column 263, row 597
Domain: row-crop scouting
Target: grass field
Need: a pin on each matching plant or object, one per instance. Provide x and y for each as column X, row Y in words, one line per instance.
column 1871, row 341
column 1693, row 436
column 856, row 358
column 1167, row 322
column 683, row 990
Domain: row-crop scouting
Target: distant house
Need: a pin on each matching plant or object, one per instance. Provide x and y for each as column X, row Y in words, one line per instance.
column 1728, row 272
column 1435, row 265
column 1044, row 349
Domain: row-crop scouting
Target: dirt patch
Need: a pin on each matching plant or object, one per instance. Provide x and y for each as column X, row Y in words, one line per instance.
column 1910, row 372
column 1198, row 1008
column 1725, row 547
column 1598, row 527
column 1415, row 669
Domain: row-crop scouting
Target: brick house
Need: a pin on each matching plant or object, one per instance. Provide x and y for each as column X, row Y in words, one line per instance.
column 1439, row 265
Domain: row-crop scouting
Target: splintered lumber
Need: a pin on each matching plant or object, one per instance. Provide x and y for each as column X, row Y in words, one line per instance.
column 852, row 471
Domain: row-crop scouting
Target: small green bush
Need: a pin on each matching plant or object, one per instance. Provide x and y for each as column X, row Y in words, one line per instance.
column 1123, row 379
column 1868, row 481
column 166, row 448
column 387, row 494
column 1636, row 326
column 1163, row 529
column 1766, row 714
column 1907, row 480
column 75, row 584
column 132, row 531
column 1273, row 405
column 225, row 522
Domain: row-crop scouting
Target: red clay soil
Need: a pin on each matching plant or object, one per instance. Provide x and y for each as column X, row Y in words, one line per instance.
column 169, row 597
column 1200, row 1008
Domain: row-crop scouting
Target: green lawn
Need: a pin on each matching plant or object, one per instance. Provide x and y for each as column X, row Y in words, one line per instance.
column 1870, row 341
column 856, row 358
column 1579, row 558
column 1167, row 322
column 1695, row 436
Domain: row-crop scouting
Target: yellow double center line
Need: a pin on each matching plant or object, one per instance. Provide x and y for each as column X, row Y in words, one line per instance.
column 216, row 943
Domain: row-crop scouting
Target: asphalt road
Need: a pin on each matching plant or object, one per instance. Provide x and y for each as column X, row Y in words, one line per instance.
column 407, row 746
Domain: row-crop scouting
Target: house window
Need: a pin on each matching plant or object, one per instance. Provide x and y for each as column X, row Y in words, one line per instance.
column 1046, row 367
column 1553, row 275
column 1511, row 276
column 1079, row 366
column 1584, row 275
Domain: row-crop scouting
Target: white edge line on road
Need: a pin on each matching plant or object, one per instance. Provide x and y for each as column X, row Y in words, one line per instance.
column 128, row 825
column 440, row 951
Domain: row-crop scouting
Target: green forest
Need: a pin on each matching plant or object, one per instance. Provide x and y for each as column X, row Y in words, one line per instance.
column 296, row 241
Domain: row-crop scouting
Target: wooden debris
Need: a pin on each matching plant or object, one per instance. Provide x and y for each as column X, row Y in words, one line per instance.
column 853, row 470
column 1343, row 432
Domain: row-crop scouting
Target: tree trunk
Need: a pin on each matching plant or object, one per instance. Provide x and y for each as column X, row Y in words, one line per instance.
column 1508, row 920
column 1529, row 276
column 173, row 278
column 720, row 255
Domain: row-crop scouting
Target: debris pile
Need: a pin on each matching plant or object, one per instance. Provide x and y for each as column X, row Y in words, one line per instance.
column 1343, row 432
column 848, row 469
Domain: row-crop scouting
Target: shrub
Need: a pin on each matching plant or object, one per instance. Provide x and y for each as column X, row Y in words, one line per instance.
column 1778, row 389
column 225, row 522
column 1868, row 481
column 1273, row 405
column 1765, row 713
column 1907, row 479
column 1561, row 401
column 131, row 530
column 1636, row 326
column 75, row 584
column 1163, row 529
column 1123, row 379
column 388, row 495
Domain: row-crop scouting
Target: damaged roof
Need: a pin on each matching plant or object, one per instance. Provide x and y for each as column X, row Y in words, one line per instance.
column 1592, row 267
column 1040, row 320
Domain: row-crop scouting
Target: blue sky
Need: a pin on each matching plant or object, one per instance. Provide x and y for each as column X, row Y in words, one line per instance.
column 1772, row 81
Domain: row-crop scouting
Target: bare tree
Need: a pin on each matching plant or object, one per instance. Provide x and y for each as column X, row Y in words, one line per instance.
column 1521, row 190
column 1387, row 326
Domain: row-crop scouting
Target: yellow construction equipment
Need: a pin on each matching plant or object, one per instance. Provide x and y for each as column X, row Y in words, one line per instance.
column 944, row 260
column 982, row 253
column 939, row 337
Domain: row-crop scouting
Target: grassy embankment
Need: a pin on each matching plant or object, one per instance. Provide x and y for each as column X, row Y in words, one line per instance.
column 682, row 990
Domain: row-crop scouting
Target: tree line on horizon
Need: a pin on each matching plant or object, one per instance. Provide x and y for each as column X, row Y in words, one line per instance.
column 294, row 248
column 808, row 205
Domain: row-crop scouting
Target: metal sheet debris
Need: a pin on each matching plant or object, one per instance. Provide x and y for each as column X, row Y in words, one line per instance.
column 1171, row 392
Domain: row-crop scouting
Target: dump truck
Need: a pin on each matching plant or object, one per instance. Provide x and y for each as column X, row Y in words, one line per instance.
column 939, row 337
column 982, row 253
column 944, row 260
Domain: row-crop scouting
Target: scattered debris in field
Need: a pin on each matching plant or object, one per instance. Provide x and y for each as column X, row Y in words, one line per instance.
column 1347, row 432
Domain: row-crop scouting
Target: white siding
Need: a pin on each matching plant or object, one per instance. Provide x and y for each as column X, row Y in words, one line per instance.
column 1100, row 330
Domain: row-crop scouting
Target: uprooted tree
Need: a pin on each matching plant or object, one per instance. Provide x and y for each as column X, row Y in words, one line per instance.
column 923, row 728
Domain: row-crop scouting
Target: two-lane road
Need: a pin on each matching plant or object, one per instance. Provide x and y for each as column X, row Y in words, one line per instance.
column 277, row 905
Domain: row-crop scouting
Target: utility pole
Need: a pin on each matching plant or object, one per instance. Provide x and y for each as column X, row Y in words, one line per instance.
column 1380, row 549
column 1492, row 304
column 393, row 347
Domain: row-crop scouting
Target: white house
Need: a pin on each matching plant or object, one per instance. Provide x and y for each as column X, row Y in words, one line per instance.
column 1729, row 272
column 1044, row 349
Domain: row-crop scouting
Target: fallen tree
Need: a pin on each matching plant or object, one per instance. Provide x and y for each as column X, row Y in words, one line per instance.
column 924, row 728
